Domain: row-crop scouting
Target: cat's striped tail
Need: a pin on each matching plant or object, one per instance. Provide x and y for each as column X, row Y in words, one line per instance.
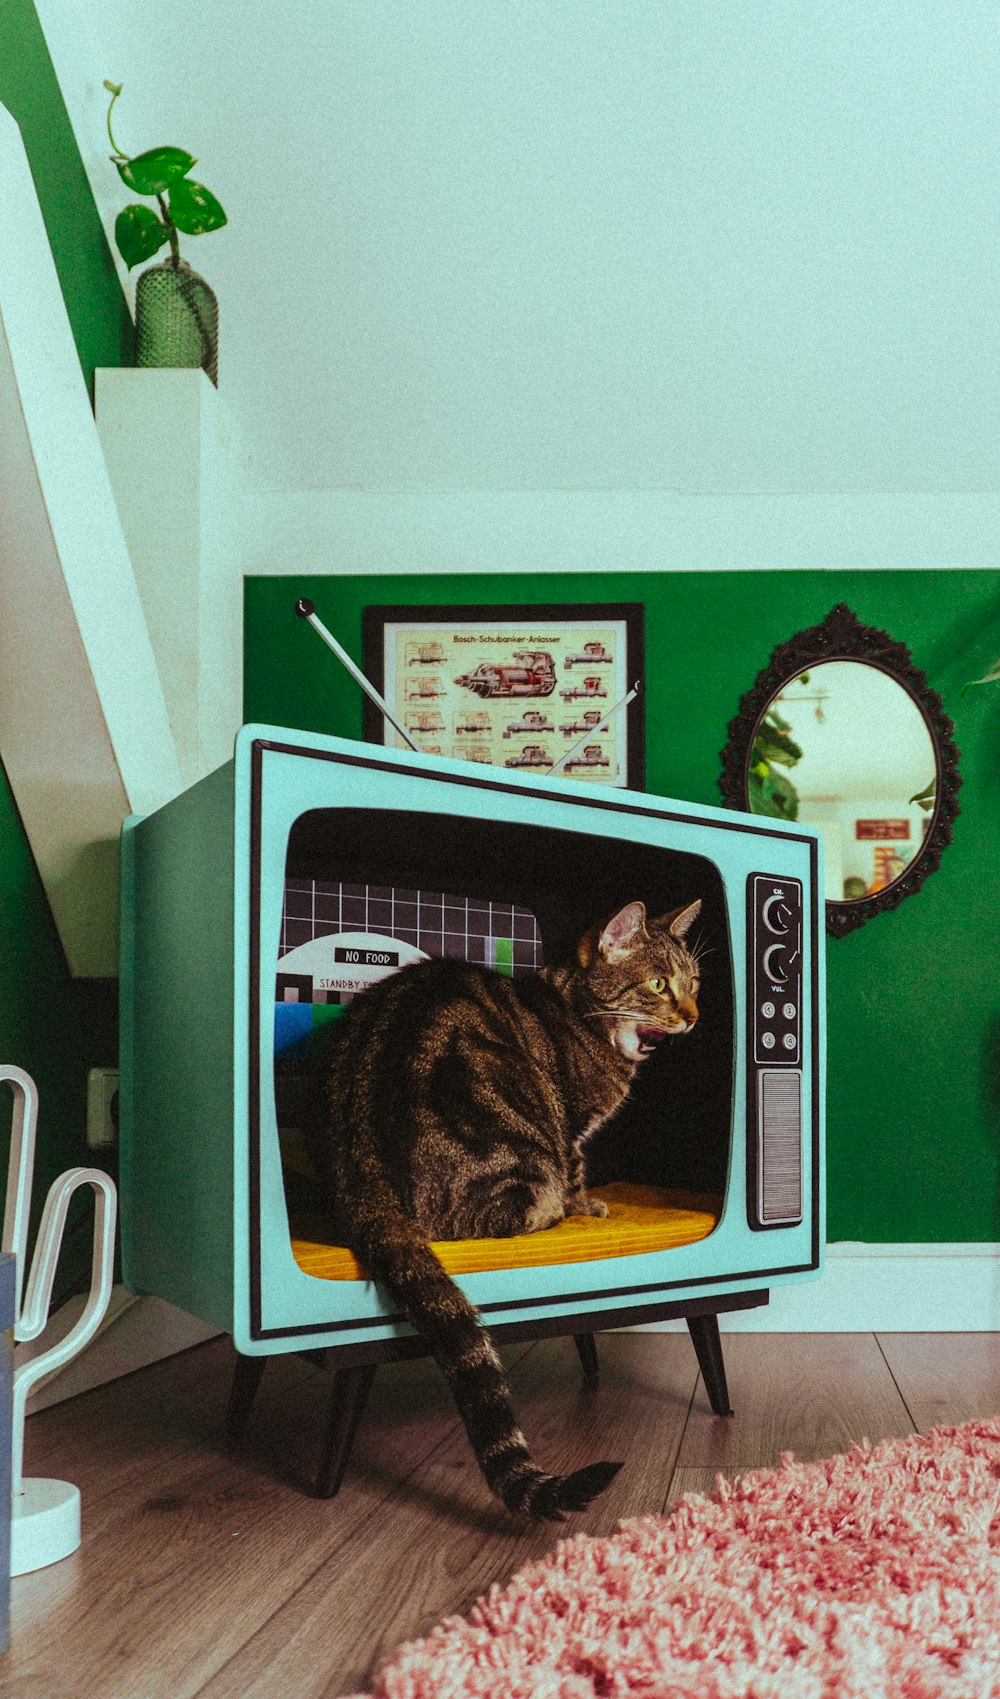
column 395, row 1254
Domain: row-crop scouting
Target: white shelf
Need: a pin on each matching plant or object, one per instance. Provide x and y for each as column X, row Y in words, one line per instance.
column 168, row 447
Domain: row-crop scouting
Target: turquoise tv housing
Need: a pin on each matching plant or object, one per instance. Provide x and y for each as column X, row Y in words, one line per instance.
column 262, row 899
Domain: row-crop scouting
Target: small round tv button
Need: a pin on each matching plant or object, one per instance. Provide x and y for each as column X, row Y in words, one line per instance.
column 767, row 1040
column 767, row 1010
column 789, row 1011
column 789, row 1041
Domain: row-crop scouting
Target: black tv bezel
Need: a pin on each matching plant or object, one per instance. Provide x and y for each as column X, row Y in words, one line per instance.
column 613, row 803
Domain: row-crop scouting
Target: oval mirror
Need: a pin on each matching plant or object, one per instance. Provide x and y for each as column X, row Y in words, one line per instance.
column 842, row 732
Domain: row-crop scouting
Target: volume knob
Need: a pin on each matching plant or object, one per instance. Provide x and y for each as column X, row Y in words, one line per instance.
column 774, row 967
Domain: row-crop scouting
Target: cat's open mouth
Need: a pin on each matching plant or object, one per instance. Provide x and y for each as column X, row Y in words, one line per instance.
column 649, row 1037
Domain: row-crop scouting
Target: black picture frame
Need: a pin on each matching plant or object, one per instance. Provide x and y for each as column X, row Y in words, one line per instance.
column 376, row 618
column 842, row 637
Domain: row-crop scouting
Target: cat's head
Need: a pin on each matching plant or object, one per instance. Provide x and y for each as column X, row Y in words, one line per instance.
column 642, row 976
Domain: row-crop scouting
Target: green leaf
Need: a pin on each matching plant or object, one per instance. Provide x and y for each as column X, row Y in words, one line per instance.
column 783, row 795
column 193, row 209
column 139, row 234
column 927, row 797
column 992, row 676
column 772, row 742
column 154, row 172
column 772, row 794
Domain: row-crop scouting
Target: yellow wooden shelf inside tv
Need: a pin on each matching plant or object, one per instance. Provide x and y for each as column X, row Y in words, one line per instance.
column 640, row 1219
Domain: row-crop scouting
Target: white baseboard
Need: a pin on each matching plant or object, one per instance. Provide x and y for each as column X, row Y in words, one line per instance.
column 883, row 1289
column 863, row 1289
column 135, row 1332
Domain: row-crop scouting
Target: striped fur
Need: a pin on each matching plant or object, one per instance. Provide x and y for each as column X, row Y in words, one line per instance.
column 457, row 1104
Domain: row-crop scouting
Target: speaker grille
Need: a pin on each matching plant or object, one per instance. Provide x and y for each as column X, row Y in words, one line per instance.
column 779, row 1145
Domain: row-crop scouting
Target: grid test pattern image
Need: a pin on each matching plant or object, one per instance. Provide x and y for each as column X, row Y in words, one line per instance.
column 500, row 935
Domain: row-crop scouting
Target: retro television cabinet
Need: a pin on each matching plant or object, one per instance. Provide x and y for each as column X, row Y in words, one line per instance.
column 261, row 900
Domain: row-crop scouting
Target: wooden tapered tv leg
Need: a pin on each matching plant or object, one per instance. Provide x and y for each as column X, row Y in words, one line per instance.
column 350, row 1393
column 704, row 1331
column 586, row 1345
column 246, row 1379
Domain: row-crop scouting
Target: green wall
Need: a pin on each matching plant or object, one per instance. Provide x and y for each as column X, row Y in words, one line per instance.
column 98, row 312
column 55, row 1027
column 914, row 996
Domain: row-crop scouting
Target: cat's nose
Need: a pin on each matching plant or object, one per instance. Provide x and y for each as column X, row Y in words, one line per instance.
column 689, row 1013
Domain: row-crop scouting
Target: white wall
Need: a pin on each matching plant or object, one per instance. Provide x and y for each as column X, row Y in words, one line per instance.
column 564, row 285
column 862, row 738
column 616, row 245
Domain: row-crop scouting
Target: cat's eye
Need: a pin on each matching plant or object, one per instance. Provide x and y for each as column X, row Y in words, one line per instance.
column 658, row 985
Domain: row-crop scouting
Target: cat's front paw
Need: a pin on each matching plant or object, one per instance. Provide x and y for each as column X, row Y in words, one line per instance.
column 597, row 1206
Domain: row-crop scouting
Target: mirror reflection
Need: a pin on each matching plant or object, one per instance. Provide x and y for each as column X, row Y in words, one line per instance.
column 845, row 748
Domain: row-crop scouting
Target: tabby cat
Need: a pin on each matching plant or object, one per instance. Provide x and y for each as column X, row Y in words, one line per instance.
column 457, row 1104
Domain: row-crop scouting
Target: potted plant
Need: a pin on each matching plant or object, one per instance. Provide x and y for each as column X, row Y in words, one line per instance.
column 176, row 313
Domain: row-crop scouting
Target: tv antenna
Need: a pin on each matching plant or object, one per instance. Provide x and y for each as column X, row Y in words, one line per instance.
column 593, row 731
column 306, row 610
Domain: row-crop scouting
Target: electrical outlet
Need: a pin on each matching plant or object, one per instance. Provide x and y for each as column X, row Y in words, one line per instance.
column 102, row 1108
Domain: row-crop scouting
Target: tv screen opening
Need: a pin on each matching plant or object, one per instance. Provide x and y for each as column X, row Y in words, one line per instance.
column 368, row 891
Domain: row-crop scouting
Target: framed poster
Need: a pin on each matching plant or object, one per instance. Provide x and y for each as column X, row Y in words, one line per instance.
column 517, row 687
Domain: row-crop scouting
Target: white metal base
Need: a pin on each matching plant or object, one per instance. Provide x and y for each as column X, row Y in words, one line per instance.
column 45, row 1524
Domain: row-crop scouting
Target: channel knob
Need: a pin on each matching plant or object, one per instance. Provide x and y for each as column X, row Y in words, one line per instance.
column 774, row 965
column 776, row 915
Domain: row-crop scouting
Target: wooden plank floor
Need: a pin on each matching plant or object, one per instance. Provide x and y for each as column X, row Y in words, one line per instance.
column 205, row 1572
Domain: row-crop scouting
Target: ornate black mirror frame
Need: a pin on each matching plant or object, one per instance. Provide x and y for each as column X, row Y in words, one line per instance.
column 841, row 637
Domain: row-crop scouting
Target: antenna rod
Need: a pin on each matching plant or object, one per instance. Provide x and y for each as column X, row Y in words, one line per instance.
column 592, row 731
column 305, row 609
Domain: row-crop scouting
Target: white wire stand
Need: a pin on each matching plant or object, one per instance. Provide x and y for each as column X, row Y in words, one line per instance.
column 45, row 1514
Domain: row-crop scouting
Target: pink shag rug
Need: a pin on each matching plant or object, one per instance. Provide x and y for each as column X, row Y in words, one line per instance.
column 871, row 1576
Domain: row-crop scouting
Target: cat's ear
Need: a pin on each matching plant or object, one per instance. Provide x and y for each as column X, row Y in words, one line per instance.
column 623, row 931
column 680, row 919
